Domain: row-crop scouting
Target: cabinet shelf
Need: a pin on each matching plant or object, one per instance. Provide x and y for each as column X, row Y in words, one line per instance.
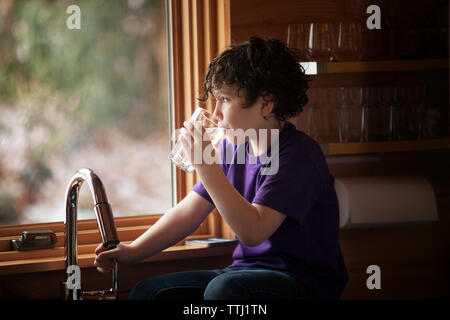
column 315, row 68
column 384, row 146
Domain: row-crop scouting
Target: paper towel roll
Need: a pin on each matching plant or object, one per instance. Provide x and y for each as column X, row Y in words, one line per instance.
column 380, row 200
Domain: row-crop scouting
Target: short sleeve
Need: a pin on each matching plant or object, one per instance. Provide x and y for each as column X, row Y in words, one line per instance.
column 201, row 190
column 293, row 190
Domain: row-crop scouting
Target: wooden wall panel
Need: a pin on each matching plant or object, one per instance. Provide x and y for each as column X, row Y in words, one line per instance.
column 201, row 30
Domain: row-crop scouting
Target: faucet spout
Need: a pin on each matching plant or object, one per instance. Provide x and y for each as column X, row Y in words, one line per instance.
column 106, row 225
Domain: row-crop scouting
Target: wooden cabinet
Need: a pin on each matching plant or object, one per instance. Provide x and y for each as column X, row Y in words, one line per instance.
column 403, row 53
column 414, row 259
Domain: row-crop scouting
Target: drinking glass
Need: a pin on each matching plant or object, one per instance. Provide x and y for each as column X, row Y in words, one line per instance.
column 214, row 134
column 350, row 115
column 320, row 42
column 305, row 118
column 412, row 101
column 380, row 114
column 297, row 39
column 368, row 104
column 431, row 123
column 323, row 116
column 348, row 41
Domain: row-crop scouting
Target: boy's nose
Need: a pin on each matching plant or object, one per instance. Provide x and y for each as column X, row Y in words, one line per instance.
column 217, row 114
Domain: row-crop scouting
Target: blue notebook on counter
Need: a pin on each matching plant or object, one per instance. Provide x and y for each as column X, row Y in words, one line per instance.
column 210, row 242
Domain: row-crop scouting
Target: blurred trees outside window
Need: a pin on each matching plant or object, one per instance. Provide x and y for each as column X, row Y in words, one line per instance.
column 95, row 97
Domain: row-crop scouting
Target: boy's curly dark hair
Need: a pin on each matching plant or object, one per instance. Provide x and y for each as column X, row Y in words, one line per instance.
column 262, row 68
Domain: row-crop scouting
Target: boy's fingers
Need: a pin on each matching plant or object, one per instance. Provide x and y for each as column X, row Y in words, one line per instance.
column 100, row 248
column 187, row 124
column 104, row 265
column 198, row 128
column 103, row 270
column 107, row 254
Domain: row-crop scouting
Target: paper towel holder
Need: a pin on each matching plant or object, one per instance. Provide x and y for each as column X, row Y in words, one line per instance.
column 374, row 201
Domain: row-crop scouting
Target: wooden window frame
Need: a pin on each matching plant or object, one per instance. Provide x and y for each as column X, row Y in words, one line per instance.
column 198, row 31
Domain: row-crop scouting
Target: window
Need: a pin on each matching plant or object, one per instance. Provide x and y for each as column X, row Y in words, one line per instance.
column 93, row 97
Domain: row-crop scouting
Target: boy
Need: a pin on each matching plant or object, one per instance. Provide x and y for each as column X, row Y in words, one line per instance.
column 286, row 220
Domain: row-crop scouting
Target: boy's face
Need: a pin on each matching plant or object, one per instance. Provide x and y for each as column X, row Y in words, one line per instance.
column 229, row 109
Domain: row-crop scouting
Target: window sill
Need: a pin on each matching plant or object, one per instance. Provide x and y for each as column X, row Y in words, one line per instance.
column 129, row 228
column 86, row 260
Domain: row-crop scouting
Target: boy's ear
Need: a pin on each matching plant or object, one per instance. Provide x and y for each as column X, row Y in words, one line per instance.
column 267, row 105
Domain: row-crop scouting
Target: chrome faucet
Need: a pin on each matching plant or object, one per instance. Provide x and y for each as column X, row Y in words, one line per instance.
column 108, row 232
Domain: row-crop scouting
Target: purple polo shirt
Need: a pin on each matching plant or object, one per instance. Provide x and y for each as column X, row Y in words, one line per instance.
column 306, row 244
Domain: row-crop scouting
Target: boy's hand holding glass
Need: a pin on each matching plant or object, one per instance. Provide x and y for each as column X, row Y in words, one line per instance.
column 197, row 141
column 192, row 141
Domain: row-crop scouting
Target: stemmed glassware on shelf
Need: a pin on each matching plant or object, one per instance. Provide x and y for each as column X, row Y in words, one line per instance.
column 320, row 41
column 347, row 41
column 400, row 37
column 325, row 41
column 297, row 38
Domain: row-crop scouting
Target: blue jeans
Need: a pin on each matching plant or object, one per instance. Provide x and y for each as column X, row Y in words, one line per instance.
column 221, row 284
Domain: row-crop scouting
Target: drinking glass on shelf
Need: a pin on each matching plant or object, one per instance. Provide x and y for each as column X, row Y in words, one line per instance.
column 386, row 107
column 320, row 42
column 350, row 115
column 411, row 109
column 368, row 107
column 215, row 134
column 347, row 41
column 380, row 114
column 402, row 128
column 297, row 38
column 395, row 114
column 304, row 122
column 431, row 123
column 323, row 116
